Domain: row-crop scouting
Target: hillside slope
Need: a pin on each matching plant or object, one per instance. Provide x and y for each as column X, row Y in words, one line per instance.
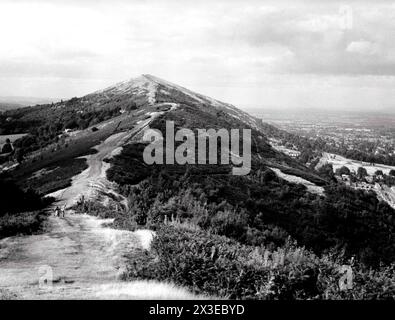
column 269, row 202
column 93, row 147
column 122, row 108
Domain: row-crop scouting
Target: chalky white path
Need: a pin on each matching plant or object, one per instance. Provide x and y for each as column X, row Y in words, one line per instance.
column 85, row 258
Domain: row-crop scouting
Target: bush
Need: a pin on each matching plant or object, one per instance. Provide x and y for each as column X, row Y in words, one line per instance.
column 216, row 265
column 21, row 223
column 230, row 223
column 343, row 170
column 14, row 199
column 97, row 209
column 255, row 210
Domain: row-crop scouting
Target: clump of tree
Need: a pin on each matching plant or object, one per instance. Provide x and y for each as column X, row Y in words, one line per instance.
column 327, row 171
column 21, row 211
column 15, row 200
column 343, row 170
column 362, row 173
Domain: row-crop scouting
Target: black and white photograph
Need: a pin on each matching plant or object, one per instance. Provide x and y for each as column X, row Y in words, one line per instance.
column 221, row 151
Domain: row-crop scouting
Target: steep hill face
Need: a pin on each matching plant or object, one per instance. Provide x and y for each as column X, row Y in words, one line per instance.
column 164, row 101
column 140, row 92
column 151, row 90
column 60, row 133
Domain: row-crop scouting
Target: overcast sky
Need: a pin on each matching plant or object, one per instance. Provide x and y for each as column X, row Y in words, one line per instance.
column 311, row 53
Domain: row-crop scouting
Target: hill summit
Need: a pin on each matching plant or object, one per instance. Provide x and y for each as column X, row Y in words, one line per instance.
column 62, row 132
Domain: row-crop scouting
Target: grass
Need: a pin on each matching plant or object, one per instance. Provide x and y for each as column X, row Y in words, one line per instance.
column 57, row 177
column 66, row 157
column 148, row 290
column 7, row 295
column 25, row 223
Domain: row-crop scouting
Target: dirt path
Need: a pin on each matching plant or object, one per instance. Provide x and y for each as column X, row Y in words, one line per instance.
column 83, row 258
column 92, row 182
column 77, row 253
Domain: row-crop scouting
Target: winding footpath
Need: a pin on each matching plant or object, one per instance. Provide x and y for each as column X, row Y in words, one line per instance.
column 79, row 256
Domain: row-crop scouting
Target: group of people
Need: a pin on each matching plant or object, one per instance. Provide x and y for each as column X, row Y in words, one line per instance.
column 60, row 212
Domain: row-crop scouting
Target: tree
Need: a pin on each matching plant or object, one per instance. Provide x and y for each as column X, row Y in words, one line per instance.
column 379, row 173
column 19, row 155
column 362, row 173
column 343, row 170
column 7, row 148
column 392, row 172
column 71, row 124
column 326, row 170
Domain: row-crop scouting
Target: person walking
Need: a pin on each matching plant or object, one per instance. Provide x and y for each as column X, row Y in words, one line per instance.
column 57, row 211
column 63, row 211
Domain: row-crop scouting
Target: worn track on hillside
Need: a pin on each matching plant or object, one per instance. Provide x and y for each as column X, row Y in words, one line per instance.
column 83, row 258
column 77, row 257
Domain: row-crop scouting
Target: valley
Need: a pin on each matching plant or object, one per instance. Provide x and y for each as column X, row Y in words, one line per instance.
column 345, row 141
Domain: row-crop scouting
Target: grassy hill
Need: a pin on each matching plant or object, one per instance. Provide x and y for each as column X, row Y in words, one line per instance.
column 203, row 204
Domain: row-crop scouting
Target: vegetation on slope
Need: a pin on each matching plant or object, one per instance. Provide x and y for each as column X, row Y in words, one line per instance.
column 257, row 209
column 242, row 217
column 214, row 229
column 211, row 264
column 21, row 212
column 45, row 124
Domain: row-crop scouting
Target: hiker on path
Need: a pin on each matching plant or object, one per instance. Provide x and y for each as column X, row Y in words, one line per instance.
column 57, row 211
column 63, row 211
column 81, row 200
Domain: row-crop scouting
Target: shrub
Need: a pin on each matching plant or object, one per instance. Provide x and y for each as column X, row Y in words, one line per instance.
column 14, row 199
column 257, row 211
column 21, row 223
column 97, row 209
column 216, row 265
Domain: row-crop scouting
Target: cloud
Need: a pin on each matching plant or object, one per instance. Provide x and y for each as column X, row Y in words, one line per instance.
column 323, row 39
column 309, row 37
column 362, row 47
column 83, row 44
